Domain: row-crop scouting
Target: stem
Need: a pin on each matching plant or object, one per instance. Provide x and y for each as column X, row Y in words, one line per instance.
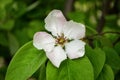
column 110, row 32
column 103, row 33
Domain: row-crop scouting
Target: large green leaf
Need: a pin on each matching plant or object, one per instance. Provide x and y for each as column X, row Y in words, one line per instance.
column 78, row 69
column 97, row 58
column 106, row 74
column 25, row 62
column 112, row 58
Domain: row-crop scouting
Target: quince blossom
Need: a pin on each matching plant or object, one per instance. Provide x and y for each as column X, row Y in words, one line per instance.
column 65, row 41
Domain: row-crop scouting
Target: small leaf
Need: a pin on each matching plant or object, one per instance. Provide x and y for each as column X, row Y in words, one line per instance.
column 105, row 42
column 106, row 74
column 77, row 69
column 25, row 62
column 97, row 58
column 112, row 58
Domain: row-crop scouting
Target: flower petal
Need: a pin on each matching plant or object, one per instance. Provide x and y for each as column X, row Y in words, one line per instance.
column 73, row 30
column 75, row 49
column 54, row 22
column 57, row 56
column 43, row 40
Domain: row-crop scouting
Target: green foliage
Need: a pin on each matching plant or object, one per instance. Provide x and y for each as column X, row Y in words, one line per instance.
column 79, row 69
column 112, row 58
column 76, row 16
column 42, row 74
column 5, row 2
column 97, row 58
column 25, row 62
column 8, row 25
column 3, row 39
column 35, row 26
column 106, row 74
column 20, row 19
column 2, row 14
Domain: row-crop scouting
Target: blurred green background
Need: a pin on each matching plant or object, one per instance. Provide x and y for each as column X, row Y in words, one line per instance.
column 20, row 19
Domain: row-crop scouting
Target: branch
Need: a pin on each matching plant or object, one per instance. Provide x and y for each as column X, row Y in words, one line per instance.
column 105, row 8
column 68, row 6
column 108, row 32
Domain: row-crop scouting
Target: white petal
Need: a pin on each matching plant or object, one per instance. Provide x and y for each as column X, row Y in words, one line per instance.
column 54, row 22
column 74, row 30
column 75, row 49
column 57, row 56
column 43, row 40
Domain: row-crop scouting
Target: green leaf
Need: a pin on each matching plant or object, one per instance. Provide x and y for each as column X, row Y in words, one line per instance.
column 106, row 74
column 77, row 69
column 42, row 75
column 112, row 58
column 96, row 42
column 25, row 62
column 105, row 41
column 97, row 58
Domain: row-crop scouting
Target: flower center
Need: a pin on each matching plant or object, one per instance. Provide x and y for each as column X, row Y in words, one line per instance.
column 61, row 40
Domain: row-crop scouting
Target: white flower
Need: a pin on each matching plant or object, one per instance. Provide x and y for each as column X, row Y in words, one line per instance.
column 64, row 41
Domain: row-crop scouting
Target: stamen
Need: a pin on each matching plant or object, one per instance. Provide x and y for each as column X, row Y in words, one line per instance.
column 61, row 40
